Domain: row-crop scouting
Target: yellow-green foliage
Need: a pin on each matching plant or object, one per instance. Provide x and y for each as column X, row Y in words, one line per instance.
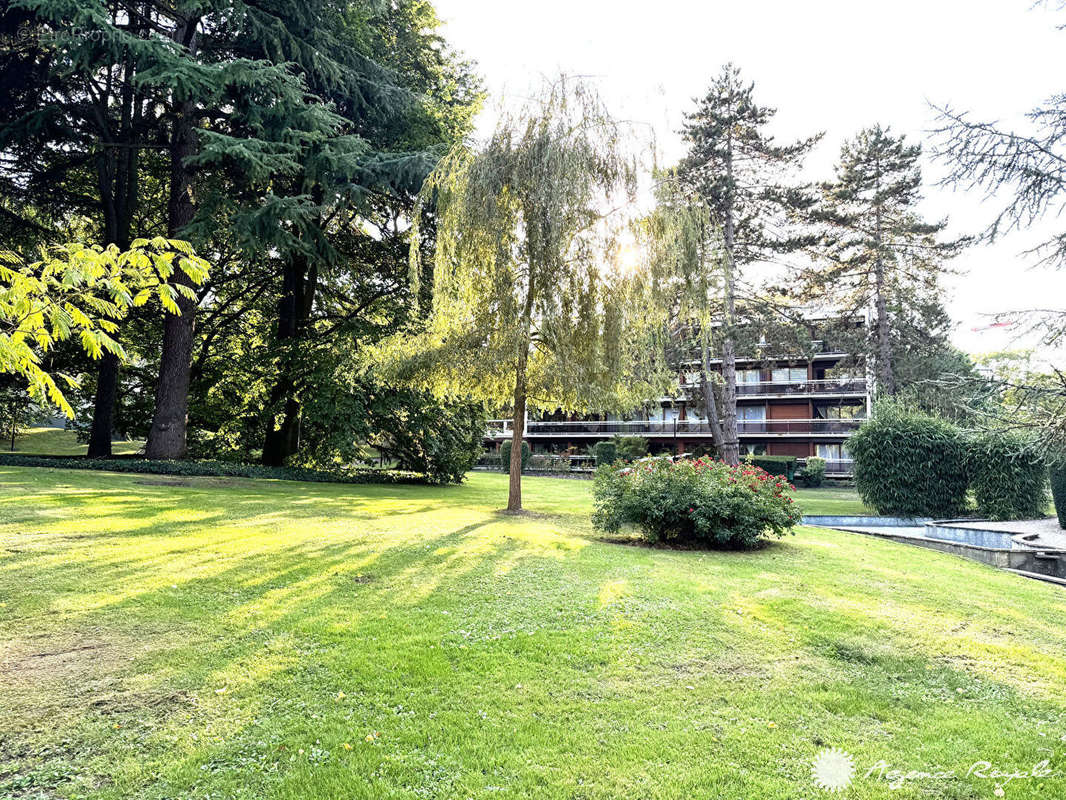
column 525, row 279
column 82, row 292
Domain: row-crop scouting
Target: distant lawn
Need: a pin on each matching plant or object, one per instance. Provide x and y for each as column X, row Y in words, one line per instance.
column 225, row 638
column 60, row 442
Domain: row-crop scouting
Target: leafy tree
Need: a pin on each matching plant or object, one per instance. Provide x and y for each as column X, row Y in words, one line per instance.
column 18, row 411
column 734, row 166
column 878, row 252
column 525, row 309
column 78, row 291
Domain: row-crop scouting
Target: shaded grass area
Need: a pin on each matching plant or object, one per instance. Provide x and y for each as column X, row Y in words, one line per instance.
column 44, row 441
column 210, row 637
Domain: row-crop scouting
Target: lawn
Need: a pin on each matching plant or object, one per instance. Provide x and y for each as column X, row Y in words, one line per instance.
column 221, row 638
column 44, row 441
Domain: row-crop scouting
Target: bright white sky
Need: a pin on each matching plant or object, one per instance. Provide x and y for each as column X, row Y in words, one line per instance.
column 827, row 65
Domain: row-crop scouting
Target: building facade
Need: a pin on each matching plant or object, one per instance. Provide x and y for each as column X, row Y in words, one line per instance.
column 785, row 406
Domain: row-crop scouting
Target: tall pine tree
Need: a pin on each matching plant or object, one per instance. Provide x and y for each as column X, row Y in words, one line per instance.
column 879, row 254
column 735, row 167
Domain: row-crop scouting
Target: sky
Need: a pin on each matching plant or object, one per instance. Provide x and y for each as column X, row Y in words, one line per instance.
column 826, row 65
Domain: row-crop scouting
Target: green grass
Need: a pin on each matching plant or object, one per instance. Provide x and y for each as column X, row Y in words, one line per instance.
column 61, row 442
column 222, row 638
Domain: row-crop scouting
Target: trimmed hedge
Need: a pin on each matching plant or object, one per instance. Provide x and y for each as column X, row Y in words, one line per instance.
column 909, row 464
column 775, row 465
column 1058, row 490
column 505, row 455
column 214, row 469
column 1008, row 482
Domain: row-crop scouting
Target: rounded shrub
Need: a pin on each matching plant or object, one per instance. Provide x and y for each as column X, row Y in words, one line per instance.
column 702, row 502
column 605, row 452
column 909, row 464
column 1057, row 473
column 813, row 472
column 1007, row 479
column 505, row 455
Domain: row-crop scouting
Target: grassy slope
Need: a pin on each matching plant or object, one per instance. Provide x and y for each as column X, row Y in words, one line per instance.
column 230, row 638
column 60, row 442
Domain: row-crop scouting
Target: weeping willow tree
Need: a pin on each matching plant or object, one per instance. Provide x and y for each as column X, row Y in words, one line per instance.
column 530, row 307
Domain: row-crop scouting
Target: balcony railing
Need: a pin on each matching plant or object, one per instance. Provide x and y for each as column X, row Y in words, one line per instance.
column 501, row 428
column 824, row 387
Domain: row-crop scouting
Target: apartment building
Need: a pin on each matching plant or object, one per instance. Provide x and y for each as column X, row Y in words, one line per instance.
column 787, row 406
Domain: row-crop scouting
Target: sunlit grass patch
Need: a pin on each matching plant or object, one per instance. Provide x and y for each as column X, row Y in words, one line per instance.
column 285, row 640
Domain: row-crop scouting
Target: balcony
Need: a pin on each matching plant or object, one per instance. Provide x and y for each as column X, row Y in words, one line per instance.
column 839, row 386
column 836, row 428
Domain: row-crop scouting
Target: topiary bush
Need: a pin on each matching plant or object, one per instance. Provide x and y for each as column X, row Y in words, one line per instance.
column 605, row 452
column 909, row 464
column 505, row 455
column 702, row 502
column 1008, row 481
column 1057, row 473
column 813, row 472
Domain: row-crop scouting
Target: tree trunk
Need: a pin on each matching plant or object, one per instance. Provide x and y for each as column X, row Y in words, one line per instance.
column 518, row 424
column 167, row 437
column 710, row 404
column 119, row 179
column 730, row 438
column 299, row 284
column 103, row 424
column 886, row 383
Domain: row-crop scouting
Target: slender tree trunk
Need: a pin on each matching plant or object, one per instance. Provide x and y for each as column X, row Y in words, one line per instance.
column 120, row 184
column 299, row 285
column 518, row 424
column 730, row 438
column 167, row 437
column 886, row 383
column 103, row 424
column 518, row 432
column 710, row 404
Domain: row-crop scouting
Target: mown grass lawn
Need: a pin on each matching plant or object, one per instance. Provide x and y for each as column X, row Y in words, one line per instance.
column 45, row 441
column 213, row 638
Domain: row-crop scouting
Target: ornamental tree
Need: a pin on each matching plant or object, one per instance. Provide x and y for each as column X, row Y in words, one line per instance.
column 528, row 310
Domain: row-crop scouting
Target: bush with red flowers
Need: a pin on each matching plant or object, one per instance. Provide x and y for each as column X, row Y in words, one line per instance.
column 694, row 502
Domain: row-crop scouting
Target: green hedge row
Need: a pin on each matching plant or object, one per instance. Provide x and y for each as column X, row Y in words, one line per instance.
column 1008, row 481
column 220, row 469
column 1058, row 491
column 909, row 464
column 776, row 465
column 914, row 465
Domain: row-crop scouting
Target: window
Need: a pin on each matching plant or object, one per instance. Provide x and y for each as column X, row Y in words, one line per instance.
column 833, row 452
column 830, row 452
column 751, row 412
column 844, row 412
column 789, row 374
column 753, row 449
column 747, row 376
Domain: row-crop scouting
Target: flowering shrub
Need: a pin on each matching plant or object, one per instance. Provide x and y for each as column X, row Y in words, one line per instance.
column 701, row 502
